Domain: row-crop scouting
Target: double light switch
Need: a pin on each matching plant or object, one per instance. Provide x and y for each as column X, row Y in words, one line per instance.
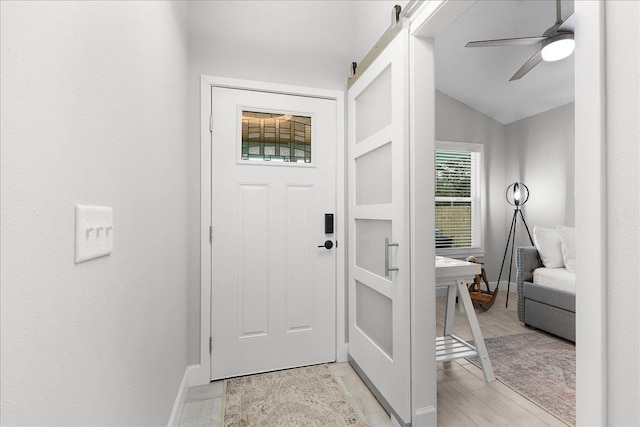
column 94, row 232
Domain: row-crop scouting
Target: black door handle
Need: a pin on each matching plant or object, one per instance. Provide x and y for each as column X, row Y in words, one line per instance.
column 327, row 245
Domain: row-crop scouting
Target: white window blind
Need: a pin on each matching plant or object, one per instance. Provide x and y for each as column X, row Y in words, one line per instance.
column 458, row 213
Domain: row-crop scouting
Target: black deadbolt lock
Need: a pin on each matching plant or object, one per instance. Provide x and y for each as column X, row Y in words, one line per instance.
column 328, row 223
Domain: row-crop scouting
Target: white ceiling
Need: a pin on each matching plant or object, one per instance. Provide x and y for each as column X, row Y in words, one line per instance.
column 479, row 77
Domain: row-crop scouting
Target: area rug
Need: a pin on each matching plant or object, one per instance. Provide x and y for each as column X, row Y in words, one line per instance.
column 309, row 396
column 538, row 366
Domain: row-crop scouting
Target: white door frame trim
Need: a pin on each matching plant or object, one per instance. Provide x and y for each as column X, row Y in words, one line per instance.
column 203, row 376
column 427, row 21
column 590, row 130
column 591, row 214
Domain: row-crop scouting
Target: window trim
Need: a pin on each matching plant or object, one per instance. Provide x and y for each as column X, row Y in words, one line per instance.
column 476, row 148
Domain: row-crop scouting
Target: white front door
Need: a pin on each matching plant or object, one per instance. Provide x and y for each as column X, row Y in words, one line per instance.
column 273, row 282
column 379, row 239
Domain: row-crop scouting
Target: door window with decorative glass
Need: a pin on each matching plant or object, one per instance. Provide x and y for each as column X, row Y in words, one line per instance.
column 275, row 137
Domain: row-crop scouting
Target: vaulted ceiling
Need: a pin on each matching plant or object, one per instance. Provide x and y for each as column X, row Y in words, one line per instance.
column 479, row 77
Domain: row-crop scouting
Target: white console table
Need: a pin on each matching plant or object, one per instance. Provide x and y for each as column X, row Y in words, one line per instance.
column 454, row 275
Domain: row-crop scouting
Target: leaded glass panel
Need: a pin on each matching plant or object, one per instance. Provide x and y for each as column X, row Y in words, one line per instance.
column 276, row 137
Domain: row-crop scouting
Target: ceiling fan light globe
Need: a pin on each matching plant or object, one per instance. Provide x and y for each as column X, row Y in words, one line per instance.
column 558, row 49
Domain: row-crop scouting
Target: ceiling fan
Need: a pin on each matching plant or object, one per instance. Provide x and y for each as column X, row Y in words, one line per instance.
column 557, row 43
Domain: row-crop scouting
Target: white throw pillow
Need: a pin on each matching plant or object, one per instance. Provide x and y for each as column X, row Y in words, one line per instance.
column 547, row 241
column 568, row 245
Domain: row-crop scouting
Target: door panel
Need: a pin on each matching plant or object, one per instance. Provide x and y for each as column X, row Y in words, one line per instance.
column 373, row 106
column 374, row 317
column 373, row 176
column 379, row 242
column 253, row 249
column 370, row 235
column 301, row 250
column 273, row 179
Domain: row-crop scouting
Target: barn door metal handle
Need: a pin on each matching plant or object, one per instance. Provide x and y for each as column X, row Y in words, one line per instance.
column 387, row 268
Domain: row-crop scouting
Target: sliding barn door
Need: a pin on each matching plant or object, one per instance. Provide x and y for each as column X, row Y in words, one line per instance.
column 379, row 238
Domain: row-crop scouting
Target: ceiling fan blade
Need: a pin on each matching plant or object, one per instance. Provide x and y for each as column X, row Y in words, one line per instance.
column 568, row 25
column 528, row 66
column 507, row 42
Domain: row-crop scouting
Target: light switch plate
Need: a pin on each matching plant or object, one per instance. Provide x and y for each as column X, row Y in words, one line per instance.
column 94, row 232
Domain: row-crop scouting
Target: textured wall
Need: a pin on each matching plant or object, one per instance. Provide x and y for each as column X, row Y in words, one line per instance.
column 93, row 111
column 623, row 210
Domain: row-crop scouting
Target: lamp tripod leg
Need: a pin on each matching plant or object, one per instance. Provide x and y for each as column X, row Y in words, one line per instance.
column 525, row 226
column 506, row 249
column 513, row 247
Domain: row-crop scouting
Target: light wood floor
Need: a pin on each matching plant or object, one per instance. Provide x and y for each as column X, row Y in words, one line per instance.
column 464, row 398
column 498, row 321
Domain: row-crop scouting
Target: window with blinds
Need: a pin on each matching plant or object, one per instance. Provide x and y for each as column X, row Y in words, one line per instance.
column 458, row 214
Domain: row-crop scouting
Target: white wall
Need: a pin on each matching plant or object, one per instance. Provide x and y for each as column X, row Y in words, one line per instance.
column 93, row 111
column 305, row 43
column 623, row 211
column 456, row 121
column 541, row 154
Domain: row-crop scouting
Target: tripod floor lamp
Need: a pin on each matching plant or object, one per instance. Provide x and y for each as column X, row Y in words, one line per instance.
column 517, row 195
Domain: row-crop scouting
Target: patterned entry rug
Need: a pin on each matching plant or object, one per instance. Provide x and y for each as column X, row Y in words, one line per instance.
column 540, row 367
column 309, row 396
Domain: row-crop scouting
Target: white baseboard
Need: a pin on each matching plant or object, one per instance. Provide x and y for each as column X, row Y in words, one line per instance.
column 425, row 416
column 198, row 376
column 178, row 405
column 513, row 287
column 342, row 355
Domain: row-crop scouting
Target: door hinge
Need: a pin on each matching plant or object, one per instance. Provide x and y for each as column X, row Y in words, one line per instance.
column 210, row 345
column 210, row 234
column 211, row 123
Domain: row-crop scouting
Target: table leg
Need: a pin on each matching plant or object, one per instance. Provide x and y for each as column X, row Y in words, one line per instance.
column 478, row 340
column 450, row 310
